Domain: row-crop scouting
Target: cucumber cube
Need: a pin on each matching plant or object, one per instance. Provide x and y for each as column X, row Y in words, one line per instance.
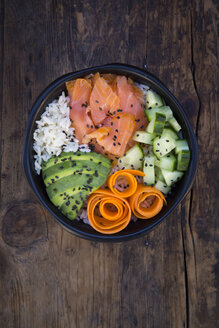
column 181, row 145
column 169, row 133
column 165, row 110
column 132, row 159
column 183, row 159
column 158, row 174
column 162, row 146
column 171, row 177
column 148, row 169
column 153, row 100
column 160, row 185
column 167, row 162
column 144, row 137
column 156, row 125
column 175, row 125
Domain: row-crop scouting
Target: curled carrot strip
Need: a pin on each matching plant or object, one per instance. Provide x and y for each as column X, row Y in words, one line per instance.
column 130, row 185
column 137, row 200
column 108, row 213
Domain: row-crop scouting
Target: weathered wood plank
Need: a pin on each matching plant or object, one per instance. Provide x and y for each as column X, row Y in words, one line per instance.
column 49, row 278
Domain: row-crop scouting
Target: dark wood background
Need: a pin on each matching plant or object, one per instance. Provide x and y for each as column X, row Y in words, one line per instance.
column 49, row 278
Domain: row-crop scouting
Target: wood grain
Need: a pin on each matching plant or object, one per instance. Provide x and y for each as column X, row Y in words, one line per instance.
column 49, row 278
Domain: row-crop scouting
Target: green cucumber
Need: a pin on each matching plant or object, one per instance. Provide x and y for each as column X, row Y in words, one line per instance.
column 181, row 145
column 169, row 133
column 156, row 125
column 167, row 162
column 171, row 177
column 165, row 110
column 162, row 146
column 175, row 125
column 132, row 159
column 160, row 185
column 144, row 137
column 153, row 100
column 158, row 174
column 148, row 169
column 183, row 159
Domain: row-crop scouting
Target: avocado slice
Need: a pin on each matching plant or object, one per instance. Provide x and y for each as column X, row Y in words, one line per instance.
column 77, row 156
column 58, row 171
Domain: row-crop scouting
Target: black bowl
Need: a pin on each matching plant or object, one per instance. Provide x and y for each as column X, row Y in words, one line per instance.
column 134, row 229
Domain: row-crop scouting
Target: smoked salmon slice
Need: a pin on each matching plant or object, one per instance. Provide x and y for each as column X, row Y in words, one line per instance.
column 79, row 92
column 131, row 101
column 103, row 100
column 121, row 127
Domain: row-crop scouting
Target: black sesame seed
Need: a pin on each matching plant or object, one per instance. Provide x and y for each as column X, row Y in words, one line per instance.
column 118, row 117
column 114, row 144
column 97, row 101
column 119, row 143
column 146, row 165
column 167, row 140
column 117, row 130
column 137, row 120
column 111, row 123
column 100, row 108
column 131, row 105
column 150, row 165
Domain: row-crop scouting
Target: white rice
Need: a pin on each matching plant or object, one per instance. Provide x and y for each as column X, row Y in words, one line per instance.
column 54, row 133
column 144, row 88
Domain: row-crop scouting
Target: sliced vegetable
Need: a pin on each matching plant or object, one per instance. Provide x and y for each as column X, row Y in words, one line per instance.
column 108, row 213
column 158, row 174
column 146, row 202
column 171, row 177
column 144, row 137
column 181, row 145
column 162, row 146
column 175, row 125
column 132, row 159
column 167, row 162
column 160, row 185
column 156, row 125
column 123, row 183
column 183, row 159
column 169, row 133
column 165, row 110
column 153, row 100
column 148, row 169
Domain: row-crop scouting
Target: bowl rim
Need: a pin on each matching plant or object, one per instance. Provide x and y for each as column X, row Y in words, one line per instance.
column 123, row 68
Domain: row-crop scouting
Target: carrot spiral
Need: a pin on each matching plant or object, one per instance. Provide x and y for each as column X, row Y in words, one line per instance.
column 108, row 213
column 138, row 199
column 129, row 176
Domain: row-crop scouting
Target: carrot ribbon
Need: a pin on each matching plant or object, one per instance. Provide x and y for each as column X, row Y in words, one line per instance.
column 137, row 200
column 129, row 187
column 108, row 213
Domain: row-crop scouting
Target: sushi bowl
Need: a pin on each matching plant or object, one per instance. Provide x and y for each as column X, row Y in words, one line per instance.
column 137, row 228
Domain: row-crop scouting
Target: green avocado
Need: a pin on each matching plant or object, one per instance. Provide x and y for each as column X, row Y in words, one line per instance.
column 71, row 178
column 77, row 156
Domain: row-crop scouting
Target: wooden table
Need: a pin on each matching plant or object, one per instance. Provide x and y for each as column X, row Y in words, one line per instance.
column 50, row 278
